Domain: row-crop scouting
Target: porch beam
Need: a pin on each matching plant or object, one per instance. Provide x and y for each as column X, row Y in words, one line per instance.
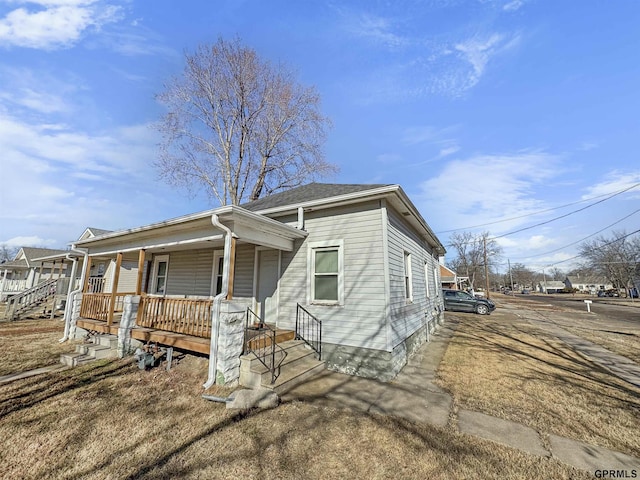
column 114, row 288
column 232, row 268
column 250, row 234
column 140, row 270
column 87, row 274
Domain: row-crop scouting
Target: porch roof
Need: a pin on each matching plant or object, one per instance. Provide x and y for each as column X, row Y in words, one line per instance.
column 196, row 231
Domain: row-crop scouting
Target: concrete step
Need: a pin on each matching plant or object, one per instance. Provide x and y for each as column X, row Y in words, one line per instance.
column 298, row 363
column 75, row 359
column 98, row 348
column 110, row 341
column 290, row 378
column 292, row 350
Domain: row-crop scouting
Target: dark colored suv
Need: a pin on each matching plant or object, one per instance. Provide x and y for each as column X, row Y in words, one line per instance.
column 459, row 301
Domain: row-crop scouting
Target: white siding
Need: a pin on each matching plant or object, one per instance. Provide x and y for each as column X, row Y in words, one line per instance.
column 408, row 316
column 190, row 272
column 360, row 321
column 243, row 280
column 127, row 278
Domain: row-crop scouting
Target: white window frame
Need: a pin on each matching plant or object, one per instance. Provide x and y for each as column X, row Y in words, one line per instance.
column 325, row 245
column 407, row 277
column 436, row 281
column 154, row 277
column 215, row 272
column 426, row 280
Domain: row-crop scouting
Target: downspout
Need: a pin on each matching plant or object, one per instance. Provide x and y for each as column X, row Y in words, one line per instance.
column 217, row 300
column 68, row 308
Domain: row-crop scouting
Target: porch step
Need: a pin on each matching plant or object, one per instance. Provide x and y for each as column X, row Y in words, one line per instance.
column 75, row 359
column 298, row 365
column 100, row 346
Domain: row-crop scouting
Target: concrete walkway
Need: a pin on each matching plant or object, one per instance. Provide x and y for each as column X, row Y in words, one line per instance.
column 618, row 365
column 414, row 396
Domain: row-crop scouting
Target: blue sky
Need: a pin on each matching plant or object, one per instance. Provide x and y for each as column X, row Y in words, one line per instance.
column 483, row 110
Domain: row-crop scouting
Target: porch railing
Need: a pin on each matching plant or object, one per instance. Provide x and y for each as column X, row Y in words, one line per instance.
column 260, row 340
column 17, row 304
column 96, row 305
column 309, row 329
column 12, row 285
column 95, row 284
column 180, row 315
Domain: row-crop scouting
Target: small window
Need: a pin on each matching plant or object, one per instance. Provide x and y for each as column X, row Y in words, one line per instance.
column 326, row 272
column 218, row 265
column 160, row 274
column 426, row 279
column 408, row 289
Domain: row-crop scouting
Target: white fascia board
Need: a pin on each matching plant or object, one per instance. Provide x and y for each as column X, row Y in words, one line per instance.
column 143, row 237
column 423, row 223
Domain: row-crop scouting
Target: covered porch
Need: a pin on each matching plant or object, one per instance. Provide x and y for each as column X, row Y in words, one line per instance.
column 162, row 281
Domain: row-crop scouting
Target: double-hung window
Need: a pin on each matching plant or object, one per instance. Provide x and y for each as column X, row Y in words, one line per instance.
column 326, row 272
column 160, row 273
column 408, row 281
column 426, row 279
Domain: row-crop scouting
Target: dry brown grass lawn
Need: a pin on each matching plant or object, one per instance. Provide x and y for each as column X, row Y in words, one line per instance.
column 113, row 421
column 29, row 344
column 504, row 366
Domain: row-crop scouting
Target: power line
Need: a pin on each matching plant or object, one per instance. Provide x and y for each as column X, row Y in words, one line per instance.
column 567, row 214
column 581, row 240
column 543, row 211
column 598, row 247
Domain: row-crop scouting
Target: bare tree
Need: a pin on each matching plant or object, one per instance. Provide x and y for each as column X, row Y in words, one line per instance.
column 469, row 249
column 616, row 258
column 7, row 253
column 239, row 127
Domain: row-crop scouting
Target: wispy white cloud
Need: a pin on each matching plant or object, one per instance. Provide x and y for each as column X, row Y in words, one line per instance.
column 615, row 181
column 488, row 188
column 54, row 24
column 377, row 29
column 30, row 241
column 513, row 5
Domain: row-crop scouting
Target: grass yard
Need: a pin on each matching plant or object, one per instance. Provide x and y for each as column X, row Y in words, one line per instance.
column 29, row 344
column 110, row 420
column 504, row 366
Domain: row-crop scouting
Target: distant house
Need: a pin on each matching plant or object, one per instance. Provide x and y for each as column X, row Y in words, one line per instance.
column 357, row 262
column 448, row 278
column 586, row 284
column 550, row 286
column 26, row 270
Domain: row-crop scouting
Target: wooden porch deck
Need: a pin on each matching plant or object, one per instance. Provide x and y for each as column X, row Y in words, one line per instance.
column 170, row 339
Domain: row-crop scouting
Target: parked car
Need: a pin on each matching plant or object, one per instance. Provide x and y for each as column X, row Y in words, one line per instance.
column 459, row 301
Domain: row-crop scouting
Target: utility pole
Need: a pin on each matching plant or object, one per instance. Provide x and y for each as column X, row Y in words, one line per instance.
column 486, row 268
column 510, row 276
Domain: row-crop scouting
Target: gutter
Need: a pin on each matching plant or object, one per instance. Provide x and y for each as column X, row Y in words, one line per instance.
column 68, row 308
column 217, row 300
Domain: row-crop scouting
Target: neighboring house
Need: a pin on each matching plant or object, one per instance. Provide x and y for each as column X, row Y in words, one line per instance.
column 448, row 278
column 550, row 286
column 587, row 284
column 359, row 258
column 26, row 270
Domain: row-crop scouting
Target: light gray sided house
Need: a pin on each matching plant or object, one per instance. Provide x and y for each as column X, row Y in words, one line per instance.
column 588, row 284
column 351, row 269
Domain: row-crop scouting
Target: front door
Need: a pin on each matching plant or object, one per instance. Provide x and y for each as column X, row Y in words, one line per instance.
column 267, row 285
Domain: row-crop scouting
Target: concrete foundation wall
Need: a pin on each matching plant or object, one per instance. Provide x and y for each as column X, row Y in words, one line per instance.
column 370, row 363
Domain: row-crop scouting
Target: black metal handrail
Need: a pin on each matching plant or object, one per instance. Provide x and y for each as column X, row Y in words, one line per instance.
column 309, row 329
column 260, row 339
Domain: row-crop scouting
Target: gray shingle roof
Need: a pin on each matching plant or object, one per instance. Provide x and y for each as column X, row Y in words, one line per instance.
column 305, row 193
column 98, row 231
column 34, row 252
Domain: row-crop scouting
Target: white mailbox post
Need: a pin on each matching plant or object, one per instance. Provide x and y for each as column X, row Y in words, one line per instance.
column 588, row 302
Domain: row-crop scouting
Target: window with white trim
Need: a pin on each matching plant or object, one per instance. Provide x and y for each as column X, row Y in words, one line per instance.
column 408, row 288
column 160, row 274
column 426, row 279
column 326, row 273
